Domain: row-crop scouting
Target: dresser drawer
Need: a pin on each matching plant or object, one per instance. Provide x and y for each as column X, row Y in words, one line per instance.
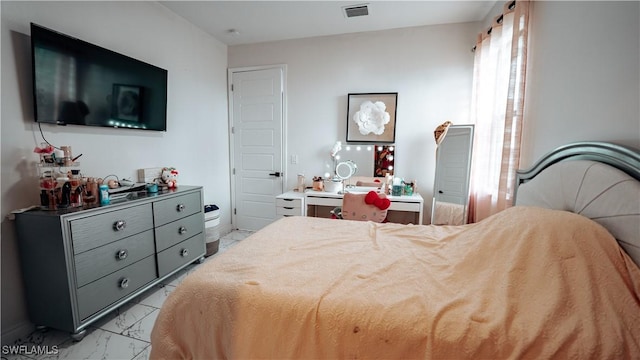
column 288, row 211
column 288, row 203
column 180, row 254
column 94, row 264
column 166, row 211
column 99, row 294
column 93, row 231
column 178, row 231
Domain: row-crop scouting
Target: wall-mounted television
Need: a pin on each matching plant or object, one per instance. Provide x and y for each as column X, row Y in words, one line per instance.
column 75, row 82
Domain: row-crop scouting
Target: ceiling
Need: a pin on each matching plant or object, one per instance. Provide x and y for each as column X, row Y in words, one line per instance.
column 263, row 21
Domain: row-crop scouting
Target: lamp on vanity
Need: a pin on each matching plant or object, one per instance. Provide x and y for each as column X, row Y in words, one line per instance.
column 334, row 155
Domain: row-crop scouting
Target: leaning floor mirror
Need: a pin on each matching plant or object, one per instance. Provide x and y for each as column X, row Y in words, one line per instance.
column 451, row 185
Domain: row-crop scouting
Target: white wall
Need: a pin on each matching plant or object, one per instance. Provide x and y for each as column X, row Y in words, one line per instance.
column 196, row 142
column 430, row 68
column 583, row 80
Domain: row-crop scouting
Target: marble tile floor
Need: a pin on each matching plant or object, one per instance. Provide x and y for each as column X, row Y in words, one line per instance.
column 123, row 334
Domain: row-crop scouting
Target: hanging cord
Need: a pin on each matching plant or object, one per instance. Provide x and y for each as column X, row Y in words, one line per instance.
column 104, row 179
column 45, row 140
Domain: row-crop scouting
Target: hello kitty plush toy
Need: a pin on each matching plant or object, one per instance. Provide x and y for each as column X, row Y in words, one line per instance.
column 169, row 177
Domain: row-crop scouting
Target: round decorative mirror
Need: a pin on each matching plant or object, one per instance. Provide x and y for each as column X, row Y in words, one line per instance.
column 346, row 169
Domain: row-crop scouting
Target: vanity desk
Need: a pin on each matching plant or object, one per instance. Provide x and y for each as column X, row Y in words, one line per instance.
column 403, row 209
column 377, row 161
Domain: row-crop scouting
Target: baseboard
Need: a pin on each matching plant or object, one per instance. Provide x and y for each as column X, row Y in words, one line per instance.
column 225, row 229
column 21, row 330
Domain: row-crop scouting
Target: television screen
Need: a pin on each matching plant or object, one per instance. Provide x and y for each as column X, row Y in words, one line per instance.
column 75, row 82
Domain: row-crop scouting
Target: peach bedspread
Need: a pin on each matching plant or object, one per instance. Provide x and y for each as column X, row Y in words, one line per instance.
column 524, row 283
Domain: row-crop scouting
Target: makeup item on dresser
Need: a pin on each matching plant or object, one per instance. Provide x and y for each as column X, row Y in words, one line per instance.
column 152, row 188
column 57, row 192
column 66, row 155
column 58, row 157
column 47, row 186
column 396, row 189
column 104, row 194
column 75, row 179
column 318, row 184
column 65, row 196
column 300, row 186
column 90, row 191
column 408, row 189
column 388, row 184
column 44, row 199
column 76, row 196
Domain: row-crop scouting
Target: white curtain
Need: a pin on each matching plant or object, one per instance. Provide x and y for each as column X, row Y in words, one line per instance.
column 497, row 107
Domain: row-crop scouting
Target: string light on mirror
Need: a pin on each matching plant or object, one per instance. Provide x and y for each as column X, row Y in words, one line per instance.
column 365, row 156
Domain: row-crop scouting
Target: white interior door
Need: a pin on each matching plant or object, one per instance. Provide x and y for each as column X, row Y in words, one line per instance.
column 257, row 118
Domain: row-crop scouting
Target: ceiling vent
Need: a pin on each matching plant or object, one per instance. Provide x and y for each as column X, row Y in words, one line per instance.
column 356, row 10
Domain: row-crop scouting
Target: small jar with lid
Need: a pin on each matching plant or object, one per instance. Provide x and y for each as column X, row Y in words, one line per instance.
column 66, row 155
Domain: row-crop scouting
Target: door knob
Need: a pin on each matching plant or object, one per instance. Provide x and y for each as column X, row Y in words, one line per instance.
column 276, row 174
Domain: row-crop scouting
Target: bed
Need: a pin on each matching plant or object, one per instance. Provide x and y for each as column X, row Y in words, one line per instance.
column 555, row 276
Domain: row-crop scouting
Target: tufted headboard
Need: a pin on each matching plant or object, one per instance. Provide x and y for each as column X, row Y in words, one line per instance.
column 598, row 180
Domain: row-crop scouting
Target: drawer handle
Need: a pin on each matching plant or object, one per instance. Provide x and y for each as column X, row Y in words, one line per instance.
column 124, row 283
column 180, row 207
column 184, row 252
column 119, row 225
column 121, row 255
column 288, row 208
column 182, row 230
column 287, row 199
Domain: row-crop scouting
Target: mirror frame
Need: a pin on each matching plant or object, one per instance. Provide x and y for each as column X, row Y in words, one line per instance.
column 466, row 185
column 368, row 158
column 351, row 169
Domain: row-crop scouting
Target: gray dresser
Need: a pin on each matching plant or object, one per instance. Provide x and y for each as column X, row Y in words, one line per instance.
column 79, row 264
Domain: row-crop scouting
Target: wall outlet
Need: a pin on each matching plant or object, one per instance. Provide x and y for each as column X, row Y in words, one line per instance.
column 149, row 174
column 294, row 159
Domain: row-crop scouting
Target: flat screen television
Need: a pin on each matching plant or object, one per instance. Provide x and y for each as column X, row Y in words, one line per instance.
column 75, row 82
